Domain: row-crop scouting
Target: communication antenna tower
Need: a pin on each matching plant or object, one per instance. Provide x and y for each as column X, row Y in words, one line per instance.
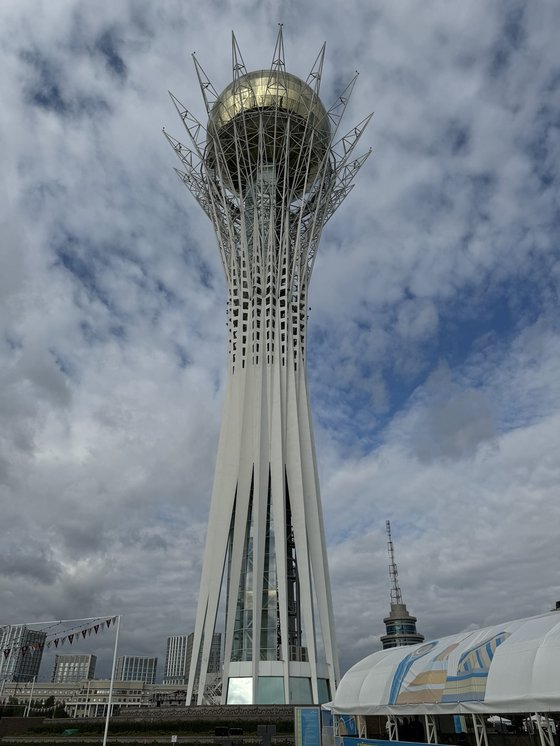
column 396, row 596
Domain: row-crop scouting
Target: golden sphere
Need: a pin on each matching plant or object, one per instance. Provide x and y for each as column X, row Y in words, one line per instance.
column 269, row 118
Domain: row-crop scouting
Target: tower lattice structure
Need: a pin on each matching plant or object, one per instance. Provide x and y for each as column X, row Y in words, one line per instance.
column 396, row 595
column 269, row 170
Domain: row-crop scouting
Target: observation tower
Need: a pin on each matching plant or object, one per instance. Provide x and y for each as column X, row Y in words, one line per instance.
column 269, row 170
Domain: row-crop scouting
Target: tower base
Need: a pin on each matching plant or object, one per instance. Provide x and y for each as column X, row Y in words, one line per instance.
column 272, row 686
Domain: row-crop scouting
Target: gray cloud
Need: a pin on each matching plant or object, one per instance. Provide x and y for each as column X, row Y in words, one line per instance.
column 32, row 561
column 455, row 422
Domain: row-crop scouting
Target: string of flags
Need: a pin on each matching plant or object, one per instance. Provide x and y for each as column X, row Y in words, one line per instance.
column 59, row 641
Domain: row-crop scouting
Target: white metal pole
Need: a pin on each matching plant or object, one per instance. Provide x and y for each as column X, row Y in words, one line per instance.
column 63, row 621
column 28, row 708
column 110, row 699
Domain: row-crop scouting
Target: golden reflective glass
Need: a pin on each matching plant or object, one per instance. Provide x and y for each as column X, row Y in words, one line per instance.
column 263, row 89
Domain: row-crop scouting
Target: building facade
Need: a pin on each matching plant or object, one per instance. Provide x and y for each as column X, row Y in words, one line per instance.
column 179, row 655
column 90, row 698
column 21, row 652
column 70, row 668
column 176, row 671
column 215, row 656
column 269, row 172
column 136, row 668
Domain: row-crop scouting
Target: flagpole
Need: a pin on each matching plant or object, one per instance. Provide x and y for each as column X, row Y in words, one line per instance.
column 110, row 700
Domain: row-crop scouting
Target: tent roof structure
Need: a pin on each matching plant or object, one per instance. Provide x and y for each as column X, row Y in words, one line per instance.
column 511, row 667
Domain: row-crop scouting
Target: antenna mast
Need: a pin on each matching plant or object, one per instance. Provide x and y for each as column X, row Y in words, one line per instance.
column 396, row 596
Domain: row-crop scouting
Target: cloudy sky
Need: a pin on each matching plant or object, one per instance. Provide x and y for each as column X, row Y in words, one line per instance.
column 434, row 358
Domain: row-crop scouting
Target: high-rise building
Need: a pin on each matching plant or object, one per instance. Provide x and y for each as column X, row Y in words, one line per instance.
column 400, row 625
column 73, row 668
column 179, row 654
column 269, row 171
column 176, row 671
column 136, row 668
column 214, row 659
column 21, row 651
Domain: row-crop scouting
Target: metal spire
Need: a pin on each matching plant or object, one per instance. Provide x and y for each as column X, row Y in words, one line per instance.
column 396, row 596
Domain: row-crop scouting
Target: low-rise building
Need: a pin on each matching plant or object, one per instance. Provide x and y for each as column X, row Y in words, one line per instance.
column 90, row 698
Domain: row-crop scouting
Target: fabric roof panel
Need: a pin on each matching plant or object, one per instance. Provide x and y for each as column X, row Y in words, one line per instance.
column 511, row 667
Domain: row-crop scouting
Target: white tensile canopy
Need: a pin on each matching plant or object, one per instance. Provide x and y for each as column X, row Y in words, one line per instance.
column 506, row 668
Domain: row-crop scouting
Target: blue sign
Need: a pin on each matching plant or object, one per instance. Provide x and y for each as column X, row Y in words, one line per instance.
column 307, row 726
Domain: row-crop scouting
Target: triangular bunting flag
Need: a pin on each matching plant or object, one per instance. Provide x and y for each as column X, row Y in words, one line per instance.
column 70, row 639
column 96, row 628
column 56, row 642
column 84, row 633
column 7, row 652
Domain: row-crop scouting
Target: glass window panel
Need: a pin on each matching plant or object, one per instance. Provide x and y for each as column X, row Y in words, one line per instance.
column 324, row 690
column 270, row 690
column 240, row 691
column 300, row 691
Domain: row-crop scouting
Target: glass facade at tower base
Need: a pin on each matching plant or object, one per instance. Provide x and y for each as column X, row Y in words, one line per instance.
column 272, row 688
